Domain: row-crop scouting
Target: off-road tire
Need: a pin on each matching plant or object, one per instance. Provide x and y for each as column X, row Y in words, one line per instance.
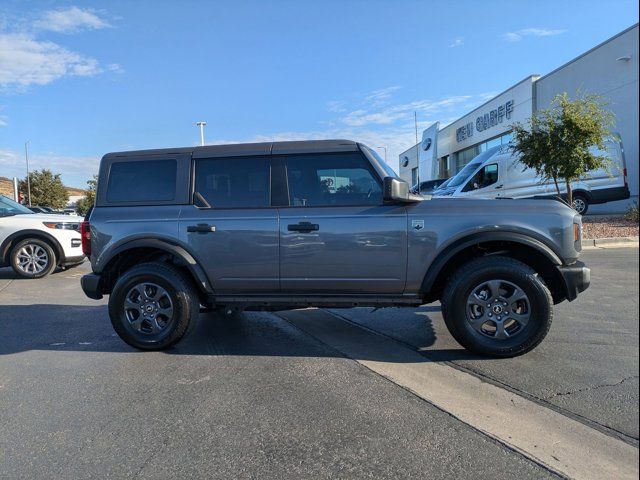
column 182, row 292
column 461, row 285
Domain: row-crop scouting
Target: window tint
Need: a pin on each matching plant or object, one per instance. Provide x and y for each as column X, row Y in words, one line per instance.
column 234, row 182
column 142, row 181
column 337, row 179
column 488, row 175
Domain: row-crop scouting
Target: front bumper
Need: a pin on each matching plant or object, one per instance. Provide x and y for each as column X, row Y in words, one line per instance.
column 576, row 279
column 91, row 285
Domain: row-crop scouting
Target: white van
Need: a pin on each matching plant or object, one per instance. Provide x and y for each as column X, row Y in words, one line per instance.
column 497, row 173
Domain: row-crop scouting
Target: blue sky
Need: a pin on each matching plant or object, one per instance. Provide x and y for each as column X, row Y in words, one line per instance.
column 79, row 79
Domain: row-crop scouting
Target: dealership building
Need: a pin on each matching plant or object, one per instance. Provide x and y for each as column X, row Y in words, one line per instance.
column 609, row 70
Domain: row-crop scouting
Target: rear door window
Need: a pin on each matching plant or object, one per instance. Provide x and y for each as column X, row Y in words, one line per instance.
column 237, row 182
column 142, row 181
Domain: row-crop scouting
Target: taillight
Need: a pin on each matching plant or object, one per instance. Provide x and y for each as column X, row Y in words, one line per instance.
column 85, row 235
column 624, row 172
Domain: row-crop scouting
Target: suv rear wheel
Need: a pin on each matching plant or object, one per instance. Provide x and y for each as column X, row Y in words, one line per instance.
column 33, row 258
column 497, row 306
column 153, row 305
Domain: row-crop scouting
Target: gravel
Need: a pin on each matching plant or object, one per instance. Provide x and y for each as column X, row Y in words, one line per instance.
column 609, row 226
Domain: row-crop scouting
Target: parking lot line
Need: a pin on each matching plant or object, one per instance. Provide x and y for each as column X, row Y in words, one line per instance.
column 560, row 443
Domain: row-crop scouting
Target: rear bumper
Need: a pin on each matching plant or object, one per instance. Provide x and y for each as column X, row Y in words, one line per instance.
column 91, row 286
column 576, row 279
column 605, row 195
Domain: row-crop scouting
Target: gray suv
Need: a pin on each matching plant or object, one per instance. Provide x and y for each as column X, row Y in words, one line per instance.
column 275, row 226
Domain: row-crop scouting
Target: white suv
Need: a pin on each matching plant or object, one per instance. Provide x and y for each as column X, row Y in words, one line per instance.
column 34, row 244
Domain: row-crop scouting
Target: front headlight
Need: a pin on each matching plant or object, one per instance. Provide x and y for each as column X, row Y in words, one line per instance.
column 62, row 225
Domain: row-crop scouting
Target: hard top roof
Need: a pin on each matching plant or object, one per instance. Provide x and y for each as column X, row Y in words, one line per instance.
column 242, row 149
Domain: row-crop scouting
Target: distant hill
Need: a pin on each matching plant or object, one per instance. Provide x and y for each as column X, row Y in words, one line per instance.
column 6, row 188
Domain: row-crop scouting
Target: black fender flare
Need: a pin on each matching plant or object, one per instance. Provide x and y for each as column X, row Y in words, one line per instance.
column 181, row 253
column 448, row 252
column 30, row 233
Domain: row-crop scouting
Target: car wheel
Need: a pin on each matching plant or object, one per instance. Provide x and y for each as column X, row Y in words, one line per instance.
column 153, row 305
column 497, row 306
column 580, row 204
column 33, row 258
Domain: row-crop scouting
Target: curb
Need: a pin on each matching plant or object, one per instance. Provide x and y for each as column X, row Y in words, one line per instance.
column 610, row 242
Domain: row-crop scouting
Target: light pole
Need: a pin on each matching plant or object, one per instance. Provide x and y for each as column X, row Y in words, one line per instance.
column 26, row 157
column 385, row 153
column 201, row 125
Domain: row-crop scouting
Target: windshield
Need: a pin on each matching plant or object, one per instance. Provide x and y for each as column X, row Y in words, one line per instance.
column 388, row 170
column 9, row 207
column 462, row 176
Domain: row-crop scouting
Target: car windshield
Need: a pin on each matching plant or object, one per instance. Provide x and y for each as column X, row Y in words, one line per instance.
column 388, row 170
column 9, row 207
column 464, row 174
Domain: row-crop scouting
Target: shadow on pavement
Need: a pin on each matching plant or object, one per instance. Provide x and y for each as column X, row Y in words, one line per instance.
column 88, row 328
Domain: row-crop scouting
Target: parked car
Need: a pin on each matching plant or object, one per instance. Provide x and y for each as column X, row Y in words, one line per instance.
column 274, row 226
column 38, row 209
column 497, row 173
column 428, row 186
column 34, row 244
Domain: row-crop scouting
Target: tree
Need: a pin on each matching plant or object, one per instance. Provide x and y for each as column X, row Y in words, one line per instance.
column 46, row 188
column 85, row 203
column 556, row 142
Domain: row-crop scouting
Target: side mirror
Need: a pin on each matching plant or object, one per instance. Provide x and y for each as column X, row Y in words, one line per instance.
column 396, row 190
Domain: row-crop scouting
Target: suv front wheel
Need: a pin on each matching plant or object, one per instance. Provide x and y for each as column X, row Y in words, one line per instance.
column 153, row 305
column 497, row 306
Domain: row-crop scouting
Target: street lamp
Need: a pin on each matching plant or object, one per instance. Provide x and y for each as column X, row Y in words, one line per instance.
column 26, row 157
column 201, row 125
column 385, row 153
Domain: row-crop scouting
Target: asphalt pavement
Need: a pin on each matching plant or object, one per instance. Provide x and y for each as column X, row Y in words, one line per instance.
column 252, row 395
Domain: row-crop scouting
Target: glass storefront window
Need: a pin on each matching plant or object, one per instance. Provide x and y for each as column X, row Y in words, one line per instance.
column 463, row 157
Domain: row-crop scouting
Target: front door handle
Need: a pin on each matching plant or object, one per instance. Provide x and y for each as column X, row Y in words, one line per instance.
column 303, row 227
column 499, row 186
column 201, row 228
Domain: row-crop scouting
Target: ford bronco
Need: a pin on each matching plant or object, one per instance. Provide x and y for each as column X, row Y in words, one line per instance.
column 282, row 225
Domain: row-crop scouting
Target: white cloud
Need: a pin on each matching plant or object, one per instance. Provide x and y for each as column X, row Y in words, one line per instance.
column 75, row 171
column 393, row 113
column 531, row 32
column 70, row 20
column 390, row 125
column 26, row 61
column 380, row 97
column 457, row 42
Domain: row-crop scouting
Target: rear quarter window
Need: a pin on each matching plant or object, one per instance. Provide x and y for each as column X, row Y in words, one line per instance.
column 142, row 181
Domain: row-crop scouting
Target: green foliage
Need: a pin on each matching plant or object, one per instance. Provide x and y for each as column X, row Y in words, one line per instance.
column 632, row 213
column 47, row 189
column 555, row 142
column 85, row 203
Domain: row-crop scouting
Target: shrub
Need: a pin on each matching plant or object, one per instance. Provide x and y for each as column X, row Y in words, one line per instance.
column 632, row 213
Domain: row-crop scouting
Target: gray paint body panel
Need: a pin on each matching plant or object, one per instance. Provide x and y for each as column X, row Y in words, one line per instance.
column 242, row 254
column 355, row 250
column 370, row 250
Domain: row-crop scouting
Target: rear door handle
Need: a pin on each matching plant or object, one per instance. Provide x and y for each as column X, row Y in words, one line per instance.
column 303, row 227
column 201, row 228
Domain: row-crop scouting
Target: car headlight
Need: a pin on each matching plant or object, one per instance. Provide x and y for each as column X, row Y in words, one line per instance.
column 62, row 225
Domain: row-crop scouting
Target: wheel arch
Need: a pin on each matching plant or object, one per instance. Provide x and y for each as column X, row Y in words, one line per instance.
column 128, row 254
column 531, row 251
column 14, row 238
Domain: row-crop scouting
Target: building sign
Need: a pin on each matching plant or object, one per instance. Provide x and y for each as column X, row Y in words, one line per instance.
column 486, row 121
